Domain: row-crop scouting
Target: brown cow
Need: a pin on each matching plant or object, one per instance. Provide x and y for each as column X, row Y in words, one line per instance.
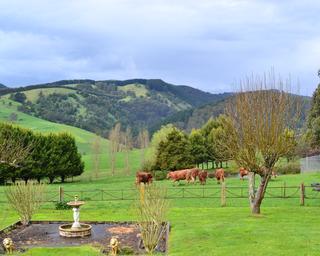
column 192, row 174
column 243, row 172
column 143, row 177
column 203, row 177
column 178, row 175
column 219, row 175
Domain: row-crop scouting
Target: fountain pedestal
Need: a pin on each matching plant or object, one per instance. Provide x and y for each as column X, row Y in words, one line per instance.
column 77, row 229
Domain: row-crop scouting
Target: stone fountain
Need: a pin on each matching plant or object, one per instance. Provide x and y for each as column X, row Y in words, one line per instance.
column 76, row 229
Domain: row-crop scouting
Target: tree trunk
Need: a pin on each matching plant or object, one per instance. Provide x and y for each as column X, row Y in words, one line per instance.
column 62, row 178
column 256, row 197
column 51, row 179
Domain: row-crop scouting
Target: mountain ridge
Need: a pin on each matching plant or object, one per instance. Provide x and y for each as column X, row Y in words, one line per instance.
column 97, row 105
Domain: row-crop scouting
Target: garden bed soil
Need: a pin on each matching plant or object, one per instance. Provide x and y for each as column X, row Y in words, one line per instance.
column 46, row 234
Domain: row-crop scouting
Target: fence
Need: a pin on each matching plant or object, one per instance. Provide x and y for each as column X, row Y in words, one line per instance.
column 223, row 193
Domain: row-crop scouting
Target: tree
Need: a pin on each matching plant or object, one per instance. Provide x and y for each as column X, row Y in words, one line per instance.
column 260, row 114
column 143, row 141
column 96, row 155
column 114, row 145
column 14, row 147
column 218, row 150
column 19, row 97
column 69, row 159
column 157, row 137
column 198, row 145
column 25, row 198
column 127, row 143
column 174, row 153
column 152, row 208
column 313, row 123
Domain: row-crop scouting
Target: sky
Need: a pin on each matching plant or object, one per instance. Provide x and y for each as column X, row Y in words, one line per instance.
column 206, row 44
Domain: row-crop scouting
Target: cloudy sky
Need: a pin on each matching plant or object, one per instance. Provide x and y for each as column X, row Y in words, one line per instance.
column 207, row 44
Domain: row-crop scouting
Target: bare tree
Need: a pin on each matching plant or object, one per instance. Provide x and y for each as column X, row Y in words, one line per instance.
column 152, row 208
column 114, row 145
column 260, row 115
column 13, row 152
column 143, row 141
column 127, row 143
column 96, row 155
column 25, row 198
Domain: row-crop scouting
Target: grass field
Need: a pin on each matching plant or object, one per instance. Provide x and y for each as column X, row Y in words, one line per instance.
column 199, row 225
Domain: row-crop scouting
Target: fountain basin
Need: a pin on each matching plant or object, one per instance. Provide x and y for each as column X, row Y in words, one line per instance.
column 67, row 230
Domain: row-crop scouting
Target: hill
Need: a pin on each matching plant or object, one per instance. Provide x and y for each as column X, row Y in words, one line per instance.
column 9, row 113
column 197, row 117
column 97, row 105
column 2, row 86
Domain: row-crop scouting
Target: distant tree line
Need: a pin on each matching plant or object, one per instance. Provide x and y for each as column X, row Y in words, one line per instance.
column 172, row 149
column 50, row 156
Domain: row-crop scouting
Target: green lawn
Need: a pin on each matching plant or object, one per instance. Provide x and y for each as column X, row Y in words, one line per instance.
column 199, row 225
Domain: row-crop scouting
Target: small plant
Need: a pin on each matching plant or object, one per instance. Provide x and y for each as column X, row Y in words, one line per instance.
column 62, row 206
column 126, row 250
column 160, row 175
column 152, row 208
column 25, row 198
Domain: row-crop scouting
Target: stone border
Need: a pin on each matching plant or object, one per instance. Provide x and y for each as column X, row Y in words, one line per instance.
column 18, row 223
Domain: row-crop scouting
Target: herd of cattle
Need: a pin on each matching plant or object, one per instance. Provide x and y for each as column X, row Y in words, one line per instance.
column 190, row 175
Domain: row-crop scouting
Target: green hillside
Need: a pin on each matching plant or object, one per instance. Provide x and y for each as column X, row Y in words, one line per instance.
column 198, row 116
column 98, row 105
column 8, row 109
column 84, row 139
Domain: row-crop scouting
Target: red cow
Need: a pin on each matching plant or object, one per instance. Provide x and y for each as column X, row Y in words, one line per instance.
column 192, row 175
column 243, row 172
column 178, row 175
column 219, row 175
column 274, row 174
column 203, row 177
column 143, row 177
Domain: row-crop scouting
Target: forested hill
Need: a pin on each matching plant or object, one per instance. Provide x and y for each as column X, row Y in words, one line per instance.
column 97, row 105
column 198, row 116
column 2, row 86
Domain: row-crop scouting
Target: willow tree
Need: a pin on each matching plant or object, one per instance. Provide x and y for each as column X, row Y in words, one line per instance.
column 13, row 150
column 143, row 141
column 128, row 145
column 114, row 145
column 260, row 117
column 96, row 155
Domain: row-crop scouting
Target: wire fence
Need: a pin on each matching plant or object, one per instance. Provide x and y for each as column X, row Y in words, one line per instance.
column 231, row 192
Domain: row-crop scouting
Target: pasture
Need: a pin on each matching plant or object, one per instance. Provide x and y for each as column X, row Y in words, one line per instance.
column 200, row 226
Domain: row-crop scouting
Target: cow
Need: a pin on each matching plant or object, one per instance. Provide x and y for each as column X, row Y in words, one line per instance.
column 243, row 172
column 274, row 174
column 219, row 175
column 178, row 175
column 143, row 177
column 203, row 177
column 192, row 175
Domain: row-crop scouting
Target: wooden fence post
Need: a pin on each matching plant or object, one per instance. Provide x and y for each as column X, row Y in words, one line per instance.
column 302, row 194
column 284, row 189
column 61, row 194
column 223, row 194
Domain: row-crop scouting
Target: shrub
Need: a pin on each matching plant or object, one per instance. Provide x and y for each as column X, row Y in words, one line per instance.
column 25, row 198
column 152, row 208
column 62, row 206
column 160, row 175
column 290, row 168
column 147, row 166
column 126, row 250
